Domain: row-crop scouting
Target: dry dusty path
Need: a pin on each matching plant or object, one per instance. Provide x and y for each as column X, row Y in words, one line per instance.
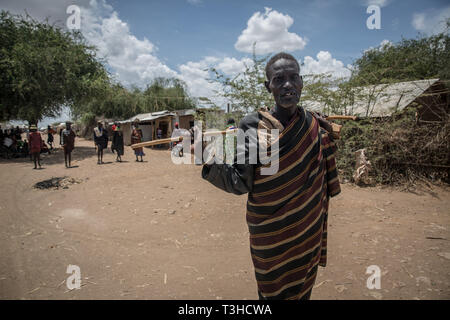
column 156, row 230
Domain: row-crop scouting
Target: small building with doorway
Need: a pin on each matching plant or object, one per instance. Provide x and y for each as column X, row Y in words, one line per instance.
column 148, row 123
column 161, row 119
column 126, row 126
column 185, row 118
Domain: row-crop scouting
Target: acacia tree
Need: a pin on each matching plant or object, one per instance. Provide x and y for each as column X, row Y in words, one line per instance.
column 410, row 59
column 43, row 67
column 166, row 94
column 113, row 101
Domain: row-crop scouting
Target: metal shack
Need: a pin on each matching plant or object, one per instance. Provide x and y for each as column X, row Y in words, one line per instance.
column 148, row 123
column 185, row 118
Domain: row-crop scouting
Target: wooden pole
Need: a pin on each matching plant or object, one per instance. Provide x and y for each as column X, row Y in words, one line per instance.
column 177, row 139
column 336, row 130
column 156, row 142
column 215, row 133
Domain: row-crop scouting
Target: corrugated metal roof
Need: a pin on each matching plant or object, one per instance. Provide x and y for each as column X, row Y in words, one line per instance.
column 381, row 100
column 185, row 112
column 157, row 115
column 138, row 117
column 147, row 116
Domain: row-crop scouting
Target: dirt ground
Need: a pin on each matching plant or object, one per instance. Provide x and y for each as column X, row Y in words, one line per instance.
column 156, row 230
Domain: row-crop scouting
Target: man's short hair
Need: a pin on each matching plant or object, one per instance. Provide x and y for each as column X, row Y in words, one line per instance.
column 278, row 56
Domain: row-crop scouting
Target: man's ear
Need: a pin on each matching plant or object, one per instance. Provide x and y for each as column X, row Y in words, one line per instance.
column 266, row 83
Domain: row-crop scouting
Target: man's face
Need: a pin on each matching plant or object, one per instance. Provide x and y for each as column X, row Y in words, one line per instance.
column 285, row 83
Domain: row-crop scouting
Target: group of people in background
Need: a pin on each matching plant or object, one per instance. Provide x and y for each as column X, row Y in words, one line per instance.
column 12, row 144
column 101, row 141
column 34, row 145
column 37, row 145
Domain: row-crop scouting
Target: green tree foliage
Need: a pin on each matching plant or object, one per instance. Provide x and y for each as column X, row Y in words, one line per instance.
column 43, row 67
column 113, row 101
column 332, row 94
column 167, row 94
column 409, row 59
column 117, row 102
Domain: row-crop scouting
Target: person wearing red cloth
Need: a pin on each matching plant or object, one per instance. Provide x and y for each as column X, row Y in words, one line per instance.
column 35, row 143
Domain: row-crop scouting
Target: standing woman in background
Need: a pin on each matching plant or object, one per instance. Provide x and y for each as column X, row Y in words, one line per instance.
column 35, row 143
column 50, row 138
column 100, row 141
column 117, row 142
column 67, row 140
column 136, row 137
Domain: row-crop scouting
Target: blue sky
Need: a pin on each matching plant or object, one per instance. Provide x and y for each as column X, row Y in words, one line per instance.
column 212, row 27
column 141, row 40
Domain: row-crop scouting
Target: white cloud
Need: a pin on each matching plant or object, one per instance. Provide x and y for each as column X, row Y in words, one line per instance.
column 133, row 60
column 325, row 63
column 418, row 21
column 197, row 76
column 232, row 66
column 432, row 21
column 270, row 32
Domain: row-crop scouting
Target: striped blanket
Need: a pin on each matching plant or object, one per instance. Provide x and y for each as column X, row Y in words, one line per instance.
column 286, row 211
